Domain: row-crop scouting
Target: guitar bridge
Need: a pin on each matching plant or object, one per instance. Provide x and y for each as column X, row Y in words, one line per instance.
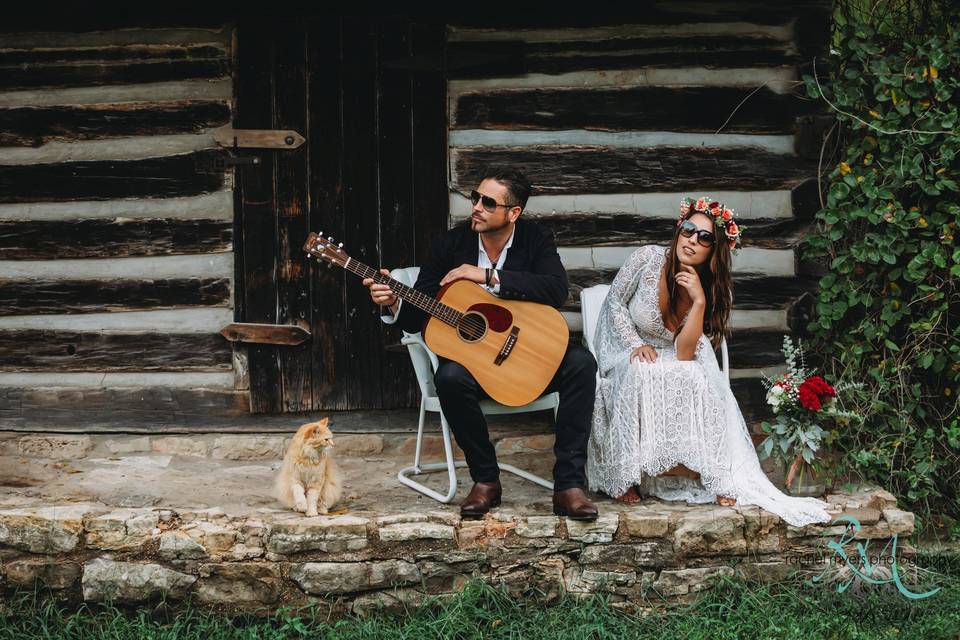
column 507, row 346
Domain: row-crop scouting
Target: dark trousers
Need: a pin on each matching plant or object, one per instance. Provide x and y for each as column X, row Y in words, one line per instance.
column 575, row 380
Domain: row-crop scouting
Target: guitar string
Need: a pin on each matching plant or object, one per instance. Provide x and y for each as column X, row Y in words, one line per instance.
column 472, row 325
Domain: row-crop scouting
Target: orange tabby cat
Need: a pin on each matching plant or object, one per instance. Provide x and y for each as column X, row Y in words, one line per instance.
column 309, row 480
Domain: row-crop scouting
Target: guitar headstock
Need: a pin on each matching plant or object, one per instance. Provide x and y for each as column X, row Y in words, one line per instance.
column 326, row 249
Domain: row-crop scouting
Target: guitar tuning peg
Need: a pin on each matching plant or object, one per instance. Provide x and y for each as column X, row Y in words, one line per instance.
column 340, row 246
column 320, row 233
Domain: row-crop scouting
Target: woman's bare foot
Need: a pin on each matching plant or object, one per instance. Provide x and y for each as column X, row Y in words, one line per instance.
column 725, row 501
column 630, row 496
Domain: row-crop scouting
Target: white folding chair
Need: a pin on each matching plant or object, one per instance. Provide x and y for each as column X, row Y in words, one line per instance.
column 425, row 364
column 591, row 299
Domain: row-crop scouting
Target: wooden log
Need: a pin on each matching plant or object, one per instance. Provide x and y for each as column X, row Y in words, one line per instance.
column 752, row 399
column 265, row 333
column 146, row 409
column 38, row 350
column 750, row 291
column 121, row 237
column 730, row 110
column 749, row 348
column 165, row 410
column 35, row 126
column 468, row 59
column 659, row 12
column 557, row 170
column 46, row 297
column 113, row 53
column 628, row 230
column 109, row 179
column 83, row 75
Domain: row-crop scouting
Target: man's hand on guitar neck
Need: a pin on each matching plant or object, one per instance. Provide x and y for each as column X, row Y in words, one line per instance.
column 381, row 293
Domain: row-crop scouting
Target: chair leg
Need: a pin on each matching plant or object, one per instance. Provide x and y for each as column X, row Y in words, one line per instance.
column 423, row 417
column 449, row 464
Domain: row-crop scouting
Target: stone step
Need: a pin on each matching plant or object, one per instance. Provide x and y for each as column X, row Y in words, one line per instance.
column 247, row 559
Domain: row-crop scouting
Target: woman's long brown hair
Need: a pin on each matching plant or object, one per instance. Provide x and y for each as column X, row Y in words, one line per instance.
column 715, row 276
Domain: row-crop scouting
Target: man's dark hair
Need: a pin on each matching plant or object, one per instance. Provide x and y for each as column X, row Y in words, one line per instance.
column 515, row 182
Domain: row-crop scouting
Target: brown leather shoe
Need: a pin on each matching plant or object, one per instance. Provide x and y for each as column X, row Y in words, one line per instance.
column 574, row 504
column 482, row 497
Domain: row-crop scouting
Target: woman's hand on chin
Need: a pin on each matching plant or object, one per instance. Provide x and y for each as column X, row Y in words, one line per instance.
column 689, row 279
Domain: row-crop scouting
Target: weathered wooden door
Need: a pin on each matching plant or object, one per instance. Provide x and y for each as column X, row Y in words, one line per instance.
column 372, row 174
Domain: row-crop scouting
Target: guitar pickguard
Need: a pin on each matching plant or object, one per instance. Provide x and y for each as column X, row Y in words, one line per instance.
column 499, row 318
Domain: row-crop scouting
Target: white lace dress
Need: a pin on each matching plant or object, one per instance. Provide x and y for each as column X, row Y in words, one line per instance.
column 650, row 417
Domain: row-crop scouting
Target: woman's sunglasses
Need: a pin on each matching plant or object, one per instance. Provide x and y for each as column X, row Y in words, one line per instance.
column 489, row 204
column 704, row 238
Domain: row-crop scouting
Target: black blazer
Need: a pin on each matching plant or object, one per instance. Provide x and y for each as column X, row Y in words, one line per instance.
column 532, row 269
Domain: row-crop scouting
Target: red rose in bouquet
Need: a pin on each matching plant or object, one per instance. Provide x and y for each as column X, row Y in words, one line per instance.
column 813, row 392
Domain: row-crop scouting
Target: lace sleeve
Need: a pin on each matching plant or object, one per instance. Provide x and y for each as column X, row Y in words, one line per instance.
column 617, row 335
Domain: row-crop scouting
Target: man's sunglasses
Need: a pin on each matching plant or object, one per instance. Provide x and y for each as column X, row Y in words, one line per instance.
column 704, row 238
column 489, row 204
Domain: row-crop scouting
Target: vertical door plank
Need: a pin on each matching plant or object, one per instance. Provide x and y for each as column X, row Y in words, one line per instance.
column 257, row 224
column 360, row 204
column 291, row 176
column 329, row 348
column 429, row 147
column 398, row 217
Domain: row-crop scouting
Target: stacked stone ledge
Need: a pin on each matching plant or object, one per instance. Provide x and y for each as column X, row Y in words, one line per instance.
column 644, row 553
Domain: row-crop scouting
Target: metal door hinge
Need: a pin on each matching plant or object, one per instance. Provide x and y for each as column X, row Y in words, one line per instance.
column 258, row 138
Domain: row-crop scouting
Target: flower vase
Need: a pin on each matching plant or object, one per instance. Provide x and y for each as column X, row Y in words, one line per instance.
column 801, row 479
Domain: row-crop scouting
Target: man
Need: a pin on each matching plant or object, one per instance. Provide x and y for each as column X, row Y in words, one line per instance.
column 525, row 266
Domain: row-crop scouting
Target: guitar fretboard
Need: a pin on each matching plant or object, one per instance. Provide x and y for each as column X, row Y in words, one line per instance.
column 419, row 299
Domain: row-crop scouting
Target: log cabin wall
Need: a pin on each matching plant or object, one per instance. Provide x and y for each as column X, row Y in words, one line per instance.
column 116, row 226
column 614, row 123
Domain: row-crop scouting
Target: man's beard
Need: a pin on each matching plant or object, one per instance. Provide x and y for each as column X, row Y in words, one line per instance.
column 487, row 226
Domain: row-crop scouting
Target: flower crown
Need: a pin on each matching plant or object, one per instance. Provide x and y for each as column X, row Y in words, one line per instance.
column 723, row 217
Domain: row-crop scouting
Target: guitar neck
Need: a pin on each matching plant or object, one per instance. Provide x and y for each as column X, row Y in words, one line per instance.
column 410, row 295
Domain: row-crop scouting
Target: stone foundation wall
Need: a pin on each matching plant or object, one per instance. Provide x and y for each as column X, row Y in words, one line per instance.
column 354, row 563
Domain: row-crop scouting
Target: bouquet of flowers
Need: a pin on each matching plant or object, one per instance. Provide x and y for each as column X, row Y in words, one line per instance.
column 801, row 402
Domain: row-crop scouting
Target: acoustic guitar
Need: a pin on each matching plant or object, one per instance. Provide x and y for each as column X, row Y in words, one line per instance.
column 512, row 348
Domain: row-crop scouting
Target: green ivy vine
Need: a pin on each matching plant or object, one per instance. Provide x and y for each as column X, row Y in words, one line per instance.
column 888, row 311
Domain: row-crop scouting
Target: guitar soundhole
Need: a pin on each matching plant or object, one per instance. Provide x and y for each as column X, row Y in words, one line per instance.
column 472, row 327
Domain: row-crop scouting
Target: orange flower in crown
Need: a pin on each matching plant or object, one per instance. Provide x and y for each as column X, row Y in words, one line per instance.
column 723, row 217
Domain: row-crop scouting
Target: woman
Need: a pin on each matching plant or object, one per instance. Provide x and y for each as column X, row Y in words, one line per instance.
column 662, row 399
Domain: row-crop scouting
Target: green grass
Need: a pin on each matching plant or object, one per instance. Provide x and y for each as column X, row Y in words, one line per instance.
column 734, row 609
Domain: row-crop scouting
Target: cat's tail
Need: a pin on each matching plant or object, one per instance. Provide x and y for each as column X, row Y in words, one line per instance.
column 333, row 487
column 282, row 487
